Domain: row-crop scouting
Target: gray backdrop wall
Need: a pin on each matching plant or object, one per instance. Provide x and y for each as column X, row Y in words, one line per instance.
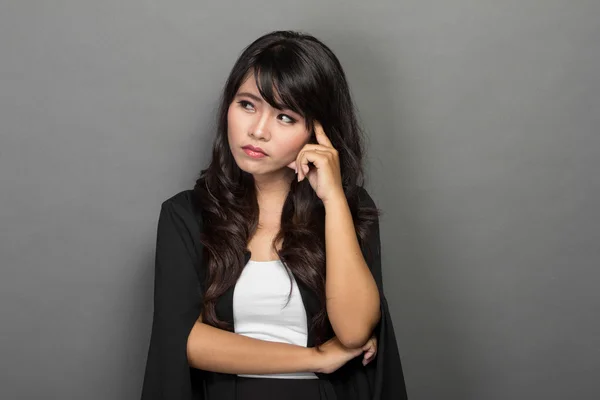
column 484, row 155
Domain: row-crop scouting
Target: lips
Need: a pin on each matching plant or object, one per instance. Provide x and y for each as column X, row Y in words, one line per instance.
column 254, row 148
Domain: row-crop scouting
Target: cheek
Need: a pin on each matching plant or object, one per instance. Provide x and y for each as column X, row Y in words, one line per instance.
column 294, row 145
column 230, row 116
column 233, row 123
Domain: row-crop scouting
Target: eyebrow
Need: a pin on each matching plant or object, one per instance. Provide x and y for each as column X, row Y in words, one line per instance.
column 252, row 96
column 260, row 100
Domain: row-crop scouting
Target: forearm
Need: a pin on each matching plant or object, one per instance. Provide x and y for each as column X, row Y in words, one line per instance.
column 353, row 304
column 217, row 350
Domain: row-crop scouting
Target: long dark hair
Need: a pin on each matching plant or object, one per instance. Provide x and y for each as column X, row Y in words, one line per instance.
column 308, row 79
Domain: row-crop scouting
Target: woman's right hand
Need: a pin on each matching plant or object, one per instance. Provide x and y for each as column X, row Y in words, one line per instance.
column 332, row 355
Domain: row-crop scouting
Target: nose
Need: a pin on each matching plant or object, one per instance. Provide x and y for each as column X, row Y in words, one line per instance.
column 260, row 128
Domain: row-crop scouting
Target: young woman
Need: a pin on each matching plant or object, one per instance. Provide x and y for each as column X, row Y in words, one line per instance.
column 268, row 273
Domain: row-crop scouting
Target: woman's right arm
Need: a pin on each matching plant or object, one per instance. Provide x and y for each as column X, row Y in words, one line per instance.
column 218, row 350
column 178, row 334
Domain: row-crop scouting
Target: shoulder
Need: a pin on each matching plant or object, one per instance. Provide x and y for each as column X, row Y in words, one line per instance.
column 182, row 199
column 364, row 198
column 184, row 205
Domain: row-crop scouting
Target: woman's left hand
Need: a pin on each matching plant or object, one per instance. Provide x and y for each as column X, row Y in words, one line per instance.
column 370, row 350
column 326, row 177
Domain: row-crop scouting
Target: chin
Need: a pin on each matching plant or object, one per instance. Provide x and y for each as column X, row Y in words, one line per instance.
column 248, row 168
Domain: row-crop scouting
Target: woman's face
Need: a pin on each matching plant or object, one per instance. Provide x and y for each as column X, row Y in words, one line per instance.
column 280, row 134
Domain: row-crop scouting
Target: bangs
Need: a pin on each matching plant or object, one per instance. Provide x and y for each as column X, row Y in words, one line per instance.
column 278, row 73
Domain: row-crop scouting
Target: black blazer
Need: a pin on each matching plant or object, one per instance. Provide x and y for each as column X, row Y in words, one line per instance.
column 178, row 291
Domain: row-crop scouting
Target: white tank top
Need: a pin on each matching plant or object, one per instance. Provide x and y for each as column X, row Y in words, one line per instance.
column 260, row 310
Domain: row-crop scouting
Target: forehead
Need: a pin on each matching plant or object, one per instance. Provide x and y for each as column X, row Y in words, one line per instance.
column 249, row 85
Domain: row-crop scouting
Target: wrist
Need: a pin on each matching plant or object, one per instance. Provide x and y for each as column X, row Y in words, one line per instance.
column 313, row 360
column 336, row 200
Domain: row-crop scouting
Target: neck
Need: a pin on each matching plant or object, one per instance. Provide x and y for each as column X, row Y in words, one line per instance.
column 272, row 190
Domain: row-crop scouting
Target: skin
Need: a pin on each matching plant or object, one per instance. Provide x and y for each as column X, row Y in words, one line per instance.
column 282, row 134
column 352, row 296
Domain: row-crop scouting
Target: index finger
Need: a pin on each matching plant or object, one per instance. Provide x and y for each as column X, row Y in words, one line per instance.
column 322, row 138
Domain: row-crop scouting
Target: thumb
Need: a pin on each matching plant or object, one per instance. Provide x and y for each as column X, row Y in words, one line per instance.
column 292, row 165
column 367, row 345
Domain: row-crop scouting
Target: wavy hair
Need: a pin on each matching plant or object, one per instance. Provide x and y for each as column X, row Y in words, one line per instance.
column 293, row 71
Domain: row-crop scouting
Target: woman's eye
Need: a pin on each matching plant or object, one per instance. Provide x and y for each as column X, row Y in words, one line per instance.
column 287, row 118
column 246, row 104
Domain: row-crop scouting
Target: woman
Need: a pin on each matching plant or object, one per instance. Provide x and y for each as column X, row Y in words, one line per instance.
column 242, row 309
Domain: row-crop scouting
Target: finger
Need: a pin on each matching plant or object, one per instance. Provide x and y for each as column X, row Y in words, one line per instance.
column 371, row 342
column 313, row 147
column 299, row 167
column 369, row 356
column 318, row 158
column 321, row 136
column 371, row 352
column 374, row 350
column 292, row 165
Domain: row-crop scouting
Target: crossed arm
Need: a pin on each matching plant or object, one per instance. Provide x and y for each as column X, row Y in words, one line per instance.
column 351, row 292
column 353, row 303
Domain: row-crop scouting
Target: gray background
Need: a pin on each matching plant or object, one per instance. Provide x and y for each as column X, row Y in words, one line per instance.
column 484, row 154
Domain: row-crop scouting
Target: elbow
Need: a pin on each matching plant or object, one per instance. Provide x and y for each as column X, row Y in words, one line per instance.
column 354, row 329
column 354, row 340
column 190, row 355
column 357, row 336
column 192, row 347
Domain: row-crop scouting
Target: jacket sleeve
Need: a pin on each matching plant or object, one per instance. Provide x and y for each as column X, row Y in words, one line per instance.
column 177, row 306
column 385, row 375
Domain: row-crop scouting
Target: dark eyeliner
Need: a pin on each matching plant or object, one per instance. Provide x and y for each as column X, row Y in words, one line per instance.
column 243, row 103
column 292, row 120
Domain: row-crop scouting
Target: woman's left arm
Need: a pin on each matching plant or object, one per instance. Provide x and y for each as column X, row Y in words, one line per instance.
column 352, row 285
column 353, row 301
